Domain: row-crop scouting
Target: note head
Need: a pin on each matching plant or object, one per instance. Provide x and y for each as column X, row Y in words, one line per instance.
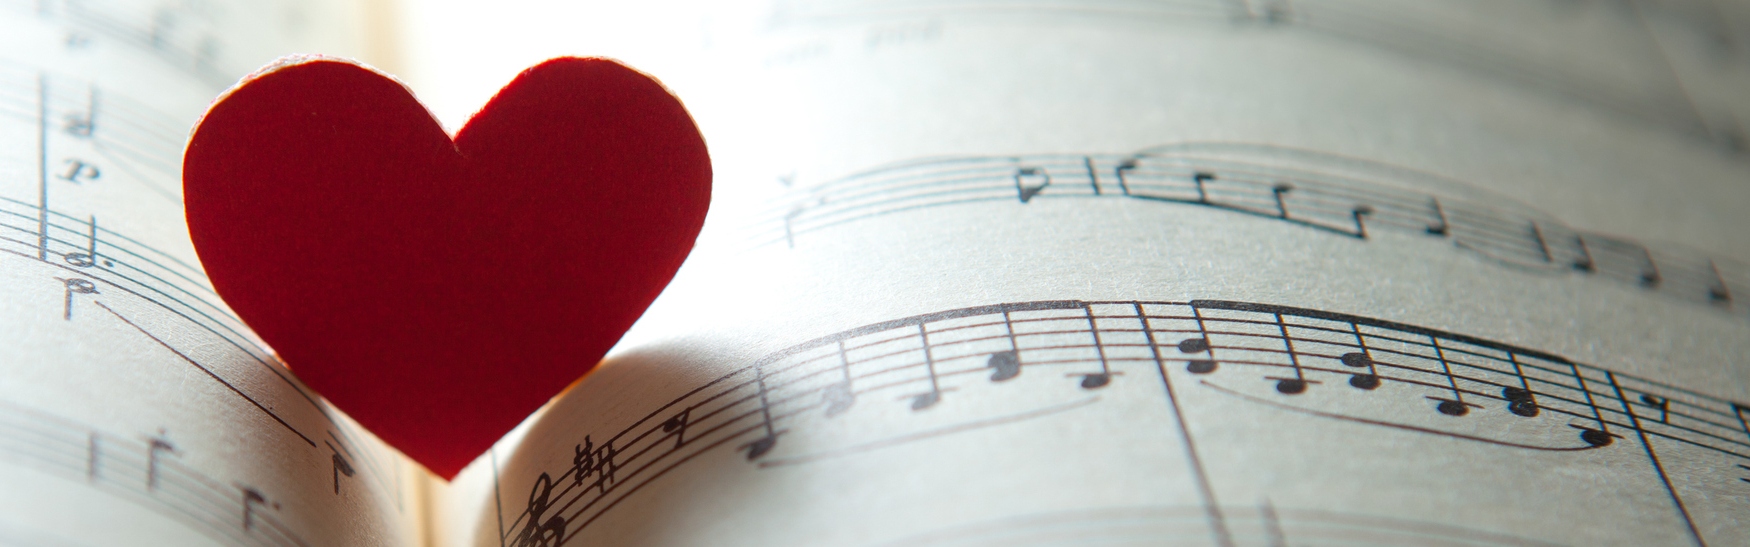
column 1201, row 366
column 1452, row 407
column 1290, row 386
column 925, row 400
column 1095, row 381
column 1364, row 381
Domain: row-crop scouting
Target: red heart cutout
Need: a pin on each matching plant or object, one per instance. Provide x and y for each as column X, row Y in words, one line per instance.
column 439, row 290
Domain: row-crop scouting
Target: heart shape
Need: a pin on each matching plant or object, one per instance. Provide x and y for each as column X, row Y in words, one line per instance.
column 439, row 290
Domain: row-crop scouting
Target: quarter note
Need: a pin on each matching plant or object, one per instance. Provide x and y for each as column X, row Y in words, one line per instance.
column 759, row 447
column 93, row 453
column 1277, row 192
column 934, row 395
column 1093, row 176
column 1361, row 227
column 1456, row 405
column 1440, row 226
column 839, row 396
column 1717, row 290
column 1006, row 365
column 1098, row 379
column 158, row 444
column 1026, row 191
column 252, row 498
column 1585, row 262
column 1199, row 178
column 1649, row 270
column 1297, row 384
column 1124, row 167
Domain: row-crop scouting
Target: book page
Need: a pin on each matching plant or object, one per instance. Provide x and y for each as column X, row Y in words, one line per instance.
column 135, row 408
column 1322, row 272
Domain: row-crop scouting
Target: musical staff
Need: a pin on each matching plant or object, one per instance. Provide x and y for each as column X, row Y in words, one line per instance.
column 181, row 34
column 1445, row 385
column 1330, row 194
column 145, row 470
column 82, row 140
column 1648, row 83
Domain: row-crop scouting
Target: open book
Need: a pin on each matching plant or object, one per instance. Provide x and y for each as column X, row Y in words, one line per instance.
column 1176, row 272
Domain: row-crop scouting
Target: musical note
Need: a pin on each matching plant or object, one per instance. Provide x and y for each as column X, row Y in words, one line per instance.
column 159, row 444
column 1505, row 232
column 1098, row 379
column 1364, row 346
column 89, row 257
column 1738, row 411
column 839, row 396
column 1277, row 191
column 1297, row 384
column 1440, row 227
column 252, row 498
column 1093, row 176
column 1716, row 290
column 759, row 447
column 677, row 426
column 1601, row 436
column 78, row 172
column 339, row 465
column 1124, row 166
column 1661, row 403
column 1520, row 400
column 1364, row 358
column 930, row 398
column 537, row 532
column 1026, row 192
column 1358, row 213
column 1650, row 276
column 1199, row 178
column 92, row 457
column 83, row 126
column 1456, row 405
column 75, row 285
column 1004, row 365
column 1585, row 262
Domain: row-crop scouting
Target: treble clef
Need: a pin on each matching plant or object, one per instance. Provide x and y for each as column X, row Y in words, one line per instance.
column 538, row 533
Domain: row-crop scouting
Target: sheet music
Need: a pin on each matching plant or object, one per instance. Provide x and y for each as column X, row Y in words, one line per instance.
column 135, row 409
column 1325, row 272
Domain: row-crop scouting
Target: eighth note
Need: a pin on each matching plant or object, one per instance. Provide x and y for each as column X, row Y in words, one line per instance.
column 678, row 426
